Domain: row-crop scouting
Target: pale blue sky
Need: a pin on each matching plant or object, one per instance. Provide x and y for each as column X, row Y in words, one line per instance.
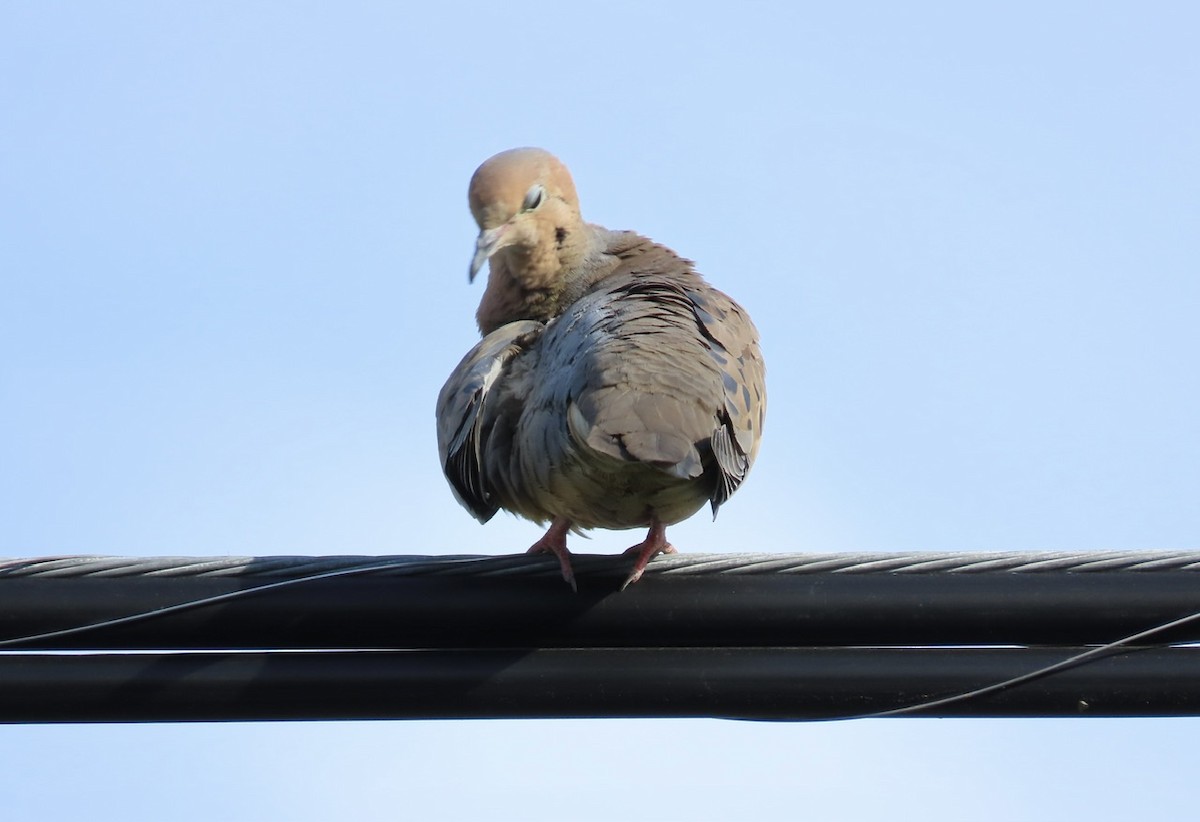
column 233, row 251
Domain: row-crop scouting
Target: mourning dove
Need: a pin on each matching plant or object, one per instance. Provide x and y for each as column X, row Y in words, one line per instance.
column 613, row 387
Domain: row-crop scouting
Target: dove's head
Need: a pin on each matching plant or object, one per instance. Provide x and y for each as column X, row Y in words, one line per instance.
column 525, row 204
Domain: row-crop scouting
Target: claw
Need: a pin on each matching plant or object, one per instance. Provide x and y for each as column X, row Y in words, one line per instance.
column 654, row 544
column 554, row 541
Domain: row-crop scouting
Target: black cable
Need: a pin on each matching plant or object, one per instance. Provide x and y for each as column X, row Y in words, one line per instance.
column 478, row 602
column 772, row 587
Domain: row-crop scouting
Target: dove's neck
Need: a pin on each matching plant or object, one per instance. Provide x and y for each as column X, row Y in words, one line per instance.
column 537, row 283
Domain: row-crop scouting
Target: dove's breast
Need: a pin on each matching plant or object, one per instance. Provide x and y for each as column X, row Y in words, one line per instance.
column 644, row 399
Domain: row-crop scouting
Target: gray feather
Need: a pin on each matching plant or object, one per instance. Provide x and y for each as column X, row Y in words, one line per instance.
column 462, row 412
column 644, row 397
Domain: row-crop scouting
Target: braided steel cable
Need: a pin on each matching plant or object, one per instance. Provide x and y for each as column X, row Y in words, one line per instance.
column 1017, row 562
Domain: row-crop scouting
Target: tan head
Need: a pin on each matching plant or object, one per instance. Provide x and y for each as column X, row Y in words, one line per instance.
column 524, row 202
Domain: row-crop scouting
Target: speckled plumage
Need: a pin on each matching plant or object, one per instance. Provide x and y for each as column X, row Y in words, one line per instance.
column 613, row 387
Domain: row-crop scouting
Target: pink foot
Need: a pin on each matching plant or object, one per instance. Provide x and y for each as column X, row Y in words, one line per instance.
column 654, row 544
column 554, row 541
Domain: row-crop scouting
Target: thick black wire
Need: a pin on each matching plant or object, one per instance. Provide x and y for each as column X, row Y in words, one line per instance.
column 410, row 566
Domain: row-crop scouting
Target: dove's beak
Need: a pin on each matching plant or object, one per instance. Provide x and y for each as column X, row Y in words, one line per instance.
column 490, row 241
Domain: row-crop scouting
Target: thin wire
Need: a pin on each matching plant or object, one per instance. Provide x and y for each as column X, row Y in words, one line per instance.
column 1087, row 656
column 225, row 597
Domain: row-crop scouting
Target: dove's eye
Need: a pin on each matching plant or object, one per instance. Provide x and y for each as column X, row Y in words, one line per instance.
column 533, row 198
